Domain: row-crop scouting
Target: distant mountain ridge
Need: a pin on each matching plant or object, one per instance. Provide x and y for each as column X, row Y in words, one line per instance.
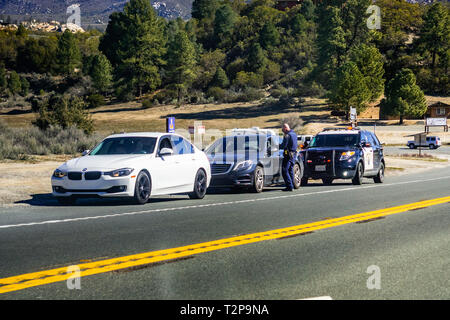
column 96, row 11
column 92, row 11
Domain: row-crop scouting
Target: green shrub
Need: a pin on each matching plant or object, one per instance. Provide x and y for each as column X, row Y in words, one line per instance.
column 65, row 112
column 20, row 144
column 217, row 93
column 95, row 100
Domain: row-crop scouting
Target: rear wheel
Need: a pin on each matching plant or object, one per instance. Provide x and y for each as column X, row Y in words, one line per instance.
column 258, row 180
column 411, row 146
column 200, row 184
column 357, row 180
column 143, row 188
column 432, row 146
column 380, row 176
column 297, row 176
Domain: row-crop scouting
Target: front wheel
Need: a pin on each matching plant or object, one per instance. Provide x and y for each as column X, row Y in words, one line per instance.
column 143, row 188
column 200, row 185
column 258, row 180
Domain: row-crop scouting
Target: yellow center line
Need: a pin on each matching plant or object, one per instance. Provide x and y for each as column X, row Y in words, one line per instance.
column 61, row 274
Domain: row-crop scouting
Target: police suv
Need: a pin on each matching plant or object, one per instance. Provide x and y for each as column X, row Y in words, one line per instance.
column 344, row 153
column 249, row 159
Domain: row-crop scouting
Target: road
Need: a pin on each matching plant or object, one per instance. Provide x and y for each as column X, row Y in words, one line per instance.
column 396, row 256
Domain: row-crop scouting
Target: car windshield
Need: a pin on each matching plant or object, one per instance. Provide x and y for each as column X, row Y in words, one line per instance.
column 125, row 145
column 239, row 144
column 334, row 140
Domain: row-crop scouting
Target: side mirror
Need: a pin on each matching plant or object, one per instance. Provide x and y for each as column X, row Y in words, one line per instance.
column 166, row 152
column 85, row 152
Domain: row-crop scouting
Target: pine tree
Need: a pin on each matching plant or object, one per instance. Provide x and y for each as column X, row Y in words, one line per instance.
column 202, row 9
column 404, row 97
column 101, row 73
column 181, row 58
column 3, row 80
column 349, row 89
column 435, row 33
column 269, row 36
column 225, row 19
column 14, row 84
column 220, row 79
column 370, row 63
column 257, row 60
column 134, row 42
column 68, row 55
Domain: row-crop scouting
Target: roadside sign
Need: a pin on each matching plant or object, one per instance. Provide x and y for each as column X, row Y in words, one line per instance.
column 170, row 124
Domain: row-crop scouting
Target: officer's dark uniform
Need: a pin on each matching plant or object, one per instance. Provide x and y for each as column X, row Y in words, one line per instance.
column 289, row 145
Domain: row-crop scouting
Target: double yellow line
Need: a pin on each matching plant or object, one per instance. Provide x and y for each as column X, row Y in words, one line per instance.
column 86, row 269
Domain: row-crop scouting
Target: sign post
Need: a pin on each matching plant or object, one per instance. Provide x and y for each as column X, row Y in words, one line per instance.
column 170, row 125
column 353, row 117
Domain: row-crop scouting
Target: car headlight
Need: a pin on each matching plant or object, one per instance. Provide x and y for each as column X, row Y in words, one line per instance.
column 347, row 155
column 243, row 165
column 120, row 172
column 59, row 173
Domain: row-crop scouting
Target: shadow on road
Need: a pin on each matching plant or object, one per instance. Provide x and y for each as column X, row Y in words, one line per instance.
column 47, row 200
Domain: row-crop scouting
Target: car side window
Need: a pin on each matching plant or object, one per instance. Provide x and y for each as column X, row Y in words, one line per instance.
column 181, row 146
column 164, row 143
column 375, row 138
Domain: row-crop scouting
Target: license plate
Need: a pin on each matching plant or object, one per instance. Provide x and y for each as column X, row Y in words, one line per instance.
column 321, row 168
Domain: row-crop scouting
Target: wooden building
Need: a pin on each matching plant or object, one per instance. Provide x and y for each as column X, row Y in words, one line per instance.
column 438, row 110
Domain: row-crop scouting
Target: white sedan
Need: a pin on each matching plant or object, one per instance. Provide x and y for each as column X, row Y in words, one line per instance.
column 134, row 165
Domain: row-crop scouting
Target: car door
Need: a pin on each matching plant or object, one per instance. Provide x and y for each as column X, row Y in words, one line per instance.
column 377, row 151
column 273, row 155
column 166, row 170
column 185, row 162
column 368, row 152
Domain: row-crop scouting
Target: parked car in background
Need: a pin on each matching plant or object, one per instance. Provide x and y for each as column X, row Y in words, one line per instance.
column 431, row 142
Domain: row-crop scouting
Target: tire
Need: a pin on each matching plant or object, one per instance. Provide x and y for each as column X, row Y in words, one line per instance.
column 327, row 181
column 380, row 176
column 67, row 201
column 357, row 180
column 143, row 188
column 411, row 146
column 258, row 180
column 298, row 176
column 432, row 146
column 200, row 185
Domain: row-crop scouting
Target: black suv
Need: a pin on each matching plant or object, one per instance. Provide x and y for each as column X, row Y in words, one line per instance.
column 249, row 158
column 344, row 153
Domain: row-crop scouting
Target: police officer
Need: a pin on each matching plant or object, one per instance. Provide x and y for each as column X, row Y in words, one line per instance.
column 289, row 145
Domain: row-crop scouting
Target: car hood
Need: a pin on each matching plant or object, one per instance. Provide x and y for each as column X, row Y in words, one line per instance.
column 324, row 149
column 104, row 162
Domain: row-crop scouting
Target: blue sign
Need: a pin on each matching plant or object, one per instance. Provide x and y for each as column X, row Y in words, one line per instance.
column 170, row 124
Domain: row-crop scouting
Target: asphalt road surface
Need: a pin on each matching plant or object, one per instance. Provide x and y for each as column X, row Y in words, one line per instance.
column 399, row 254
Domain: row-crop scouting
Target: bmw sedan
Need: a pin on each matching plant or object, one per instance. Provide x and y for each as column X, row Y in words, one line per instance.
column 134, row 165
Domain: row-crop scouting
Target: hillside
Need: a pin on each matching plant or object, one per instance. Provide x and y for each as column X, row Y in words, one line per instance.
column 92, row 11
